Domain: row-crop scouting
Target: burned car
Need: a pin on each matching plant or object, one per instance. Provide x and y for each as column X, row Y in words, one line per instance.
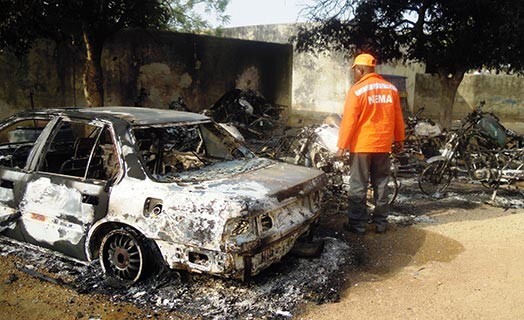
column 137, row 187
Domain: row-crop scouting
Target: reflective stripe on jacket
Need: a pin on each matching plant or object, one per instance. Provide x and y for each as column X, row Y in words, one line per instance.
column 372, row 117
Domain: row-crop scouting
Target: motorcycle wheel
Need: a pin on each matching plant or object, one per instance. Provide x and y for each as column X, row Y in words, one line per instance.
column 435, row 178
column 393, row 185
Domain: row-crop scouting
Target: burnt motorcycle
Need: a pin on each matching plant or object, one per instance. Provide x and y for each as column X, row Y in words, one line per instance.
column 480, row 150
column 317, row 147
column 424, row 139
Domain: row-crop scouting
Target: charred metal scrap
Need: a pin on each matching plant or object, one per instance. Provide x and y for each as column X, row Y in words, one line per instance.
column 252, row 114
column 256, row 121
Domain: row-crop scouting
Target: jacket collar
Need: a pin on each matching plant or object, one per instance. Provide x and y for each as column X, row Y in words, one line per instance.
column 369, row 75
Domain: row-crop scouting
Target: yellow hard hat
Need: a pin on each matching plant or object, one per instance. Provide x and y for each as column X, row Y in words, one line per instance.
column 364, row 59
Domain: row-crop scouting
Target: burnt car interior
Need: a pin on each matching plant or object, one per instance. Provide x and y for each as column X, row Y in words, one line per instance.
column 17, row 140
column 81, row 150
column 167, row 150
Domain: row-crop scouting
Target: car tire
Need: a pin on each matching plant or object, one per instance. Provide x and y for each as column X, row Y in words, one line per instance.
column 125, row 257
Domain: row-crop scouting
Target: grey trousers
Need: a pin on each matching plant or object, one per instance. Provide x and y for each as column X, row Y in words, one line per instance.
column 366, row 168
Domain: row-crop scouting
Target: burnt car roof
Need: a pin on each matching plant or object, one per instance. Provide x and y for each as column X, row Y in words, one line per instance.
column 134, row 115
column 145, row 116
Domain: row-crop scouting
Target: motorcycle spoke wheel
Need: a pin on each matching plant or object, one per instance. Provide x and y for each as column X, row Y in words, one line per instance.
column 393, row 186
column 435, row 178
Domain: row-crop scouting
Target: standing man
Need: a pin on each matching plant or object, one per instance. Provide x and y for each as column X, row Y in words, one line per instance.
column 372, row 121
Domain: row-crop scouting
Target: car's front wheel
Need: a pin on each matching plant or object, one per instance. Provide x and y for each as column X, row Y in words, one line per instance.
column 123, row 255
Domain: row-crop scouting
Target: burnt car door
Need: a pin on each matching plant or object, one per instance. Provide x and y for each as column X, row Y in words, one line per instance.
column 69, row 189
column 19, row 138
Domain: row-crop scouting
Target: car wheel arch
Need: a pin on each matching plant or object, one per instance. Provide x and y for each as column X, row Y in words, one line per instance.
column 97, row 233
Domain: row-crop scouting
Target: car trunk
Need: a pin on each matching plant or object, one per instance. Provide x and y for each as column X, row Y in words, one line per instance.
column 264, row 177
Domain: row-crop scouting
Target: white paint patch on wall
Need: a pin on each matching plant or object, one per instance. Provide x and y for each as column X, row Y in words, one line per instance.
column 161, row 83
column 185, row 81
column 249, row 79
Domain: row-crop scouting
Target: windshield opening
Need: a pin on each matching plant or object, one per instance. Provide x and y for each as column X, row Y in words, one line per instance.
column 170, row 150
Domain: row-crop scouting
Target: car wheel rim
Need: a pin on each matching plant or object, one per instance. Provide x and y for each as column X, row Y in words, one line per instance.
column 122, row 257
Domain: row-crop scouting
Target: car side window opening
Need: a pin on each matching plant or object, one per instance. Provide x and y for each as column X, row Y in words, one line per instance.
column 81, row 150
column 17, row 141
column 178, row 148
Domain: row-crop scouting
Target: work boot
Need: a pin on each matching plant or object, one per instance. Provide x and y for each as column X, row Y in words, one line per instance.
column 358, row 230
column 380, row 228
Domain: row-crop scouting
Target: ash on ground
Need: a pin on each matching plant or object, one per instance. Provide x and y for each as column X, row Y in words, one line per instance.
column 413, row 207
column 276, row 293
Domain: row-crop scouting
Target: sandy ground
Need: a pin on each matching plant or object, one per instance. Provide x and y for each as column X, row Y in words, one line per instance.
column 24, row 297
column 467, row 264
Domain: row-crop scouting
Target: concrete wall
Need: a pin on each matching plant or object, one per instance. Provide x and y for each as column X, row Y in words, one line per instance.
column 320, row 82
column 504, row 95
column 149, row 68
column 43, row 76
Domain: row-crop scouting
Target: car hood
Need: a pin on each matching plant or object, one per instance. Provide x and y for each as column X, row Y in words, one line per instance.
column 255, row 178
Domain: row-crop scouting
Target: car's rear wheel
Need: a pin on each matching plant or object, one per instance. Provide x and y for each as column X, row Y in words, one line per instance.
column 123, row 255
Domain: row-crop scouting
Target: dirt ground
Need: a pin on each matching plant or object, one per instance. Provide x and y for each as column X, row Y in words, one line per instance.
column 467, row 264
column 460, row 262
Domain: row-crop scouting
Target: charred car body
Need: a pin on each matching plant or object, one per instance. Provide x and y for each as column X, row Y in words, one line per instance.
column 135, row 186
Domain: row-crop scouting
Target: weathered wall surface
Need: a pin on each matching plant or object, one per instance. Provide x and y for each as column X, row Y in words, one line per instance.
column 320, row 82
column 504, row 95
column 44, row 76
column 152, row 69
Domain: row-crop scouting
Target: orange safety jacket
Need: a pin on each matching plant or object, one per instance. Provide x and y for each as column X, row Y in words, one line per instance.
column 372, row 118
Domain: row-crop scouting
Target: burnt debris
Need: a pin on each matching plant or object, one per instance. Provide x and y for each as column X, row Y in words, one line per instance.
column 276, row 291
column 248, row 111
column 262, row 124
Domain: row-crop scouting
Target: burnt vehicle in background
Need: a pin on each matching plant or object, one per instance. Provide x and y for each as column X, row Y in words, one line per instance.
column 259, row 123
column 136, row 187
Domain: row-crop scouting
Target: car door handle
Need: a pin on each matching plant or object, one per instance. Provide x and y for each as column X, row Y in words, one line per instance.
column 8, row 184
column 90, row 199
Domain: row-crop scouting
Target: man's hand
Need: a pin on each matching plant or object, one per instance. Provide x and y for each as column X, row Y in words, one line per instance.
column 340, row 153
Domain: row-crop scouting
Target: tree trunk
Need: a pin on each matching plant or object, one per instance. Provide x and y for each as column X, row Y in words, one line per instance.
column 449, row 83
column 92, row 77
